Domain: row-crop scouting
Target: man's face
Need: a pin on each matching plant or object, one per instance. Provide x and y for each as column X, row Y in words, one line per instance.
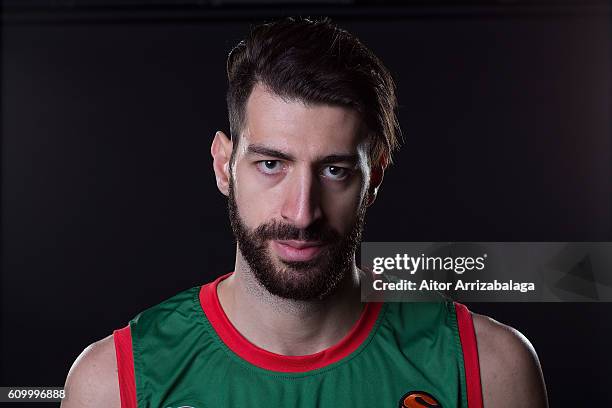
column 297, row 194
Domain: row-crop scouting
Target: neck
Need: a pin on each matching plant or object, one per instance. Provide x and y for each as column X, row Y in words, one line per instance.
column 285, row 326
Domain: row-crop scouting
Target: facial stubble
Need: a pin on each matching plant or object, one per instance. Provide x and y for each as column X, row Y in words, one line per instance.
column 317, row 278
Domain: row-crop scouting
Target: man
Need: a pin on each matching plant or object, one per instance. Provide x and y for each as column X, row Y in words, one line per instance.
column 313, row 129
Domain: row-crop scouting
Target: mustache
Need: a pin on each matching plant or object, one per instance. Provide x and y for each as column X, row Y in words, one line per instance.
column 276, row 230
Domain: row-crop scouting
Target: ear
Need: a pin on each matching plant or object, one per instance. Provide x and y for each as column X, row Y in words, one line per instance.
column 376, row 177
column 221, row 151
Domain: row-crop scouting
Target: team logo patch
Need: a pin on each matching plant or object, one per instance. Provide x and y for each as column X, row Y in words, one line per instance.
column 184, row 404
column 419, row 399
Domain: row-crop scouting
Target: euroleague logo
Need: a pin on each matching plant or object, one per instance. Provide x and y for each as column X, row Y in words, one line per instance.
column 419, row 399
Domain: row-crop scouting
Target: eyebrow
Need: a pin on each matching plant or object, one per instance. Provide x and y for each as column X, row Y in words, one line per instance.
column 266, row 151
column 332, row 158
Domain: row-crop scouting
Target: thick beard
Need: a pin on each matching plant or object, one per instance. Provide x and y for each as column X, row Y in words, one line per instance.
column 315, row 279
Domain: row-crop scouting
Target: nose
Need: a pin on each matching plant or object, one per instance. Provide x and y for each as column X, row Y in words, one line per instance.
column 302, row 201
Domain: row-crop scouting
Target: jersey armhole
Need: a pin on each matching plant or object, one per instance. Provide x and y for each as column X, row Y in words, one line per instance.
column 125, row 367
column 469, row 346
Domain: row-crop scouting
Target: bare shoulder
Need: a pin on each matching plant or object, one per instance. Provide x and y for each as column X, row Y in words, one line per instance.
column 509, row 366
column 92, row 380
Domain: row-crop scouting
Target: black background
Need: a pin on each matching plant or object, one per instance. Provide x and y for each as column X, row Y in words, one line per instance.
column 109, row 203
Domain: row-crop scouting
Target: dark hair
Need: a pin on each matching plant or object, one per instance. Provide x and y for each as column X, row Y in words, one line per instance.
column 316, row 62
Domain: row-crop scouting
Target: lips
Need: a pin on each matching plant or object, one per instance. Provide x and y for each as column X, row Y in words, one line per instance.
column 293, row 250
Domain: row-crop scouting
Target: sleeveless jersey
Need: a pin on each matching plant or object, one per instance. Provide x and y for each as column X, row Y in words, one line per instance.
column 185, row 353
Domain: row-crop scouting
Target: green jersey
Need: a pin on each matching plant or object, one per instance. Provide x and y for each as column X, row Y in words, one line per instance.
column 185, row 353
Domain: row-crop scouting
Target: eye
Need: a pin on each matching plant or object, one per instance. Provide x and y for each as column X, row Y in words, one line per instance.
column 335, row 172
column 269, row 166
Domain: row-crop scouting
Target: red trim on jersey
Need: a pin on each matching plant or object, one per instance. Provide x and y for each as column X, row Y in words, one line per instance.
column 470, row 355
column 277, row 362
column 125, row 367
